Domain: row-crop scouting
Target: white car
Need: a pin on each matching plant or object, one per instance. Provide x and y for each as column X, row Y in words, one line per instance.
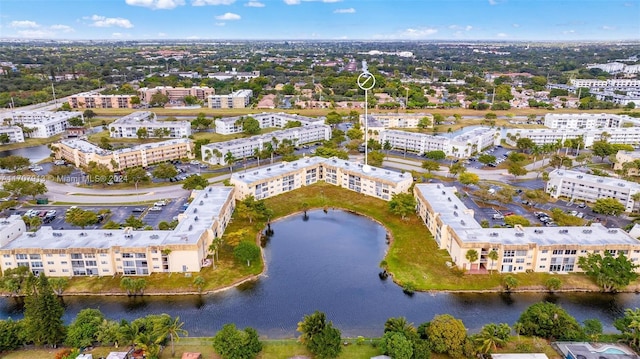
column 160, row 204
column 194, row 162
column 155, row 208
column 59, row 162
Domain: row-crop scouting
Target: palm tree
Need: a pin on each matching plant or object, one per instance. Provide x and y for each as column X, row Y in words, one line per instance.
column 472, row 256
column 398, row 325
column 228, row 158
column 172, row 328
column 215, row 247
column 636, row 199
column 492, row 336
column 493, row 255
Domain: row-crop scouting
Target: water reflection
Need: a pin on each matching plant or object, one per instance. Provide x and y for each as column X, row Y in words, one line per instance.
column 331, row 263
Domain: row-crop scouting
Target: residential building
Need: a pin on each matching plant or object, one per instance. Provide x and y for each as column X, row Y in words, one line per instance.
column 233, row 74
column 463, row 145
column 215, row 153
column 288, row 176
column 128, row 126
column 94, row 99
column 396, row 120
column 601, row 84
column 109, row 252
column 580, row 186
column 520, row 249
column 43, row 124
column 623, row 157
column 541, row 136
column 237, row 99
column 14, row 132
column 81, row 153
column 231, row 125
column 176, row 94
column 587, row 121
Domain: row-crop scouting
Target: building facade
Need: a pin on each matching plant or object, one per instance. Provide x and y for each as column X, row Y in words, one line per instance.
column 463, row 145
column 81, row 153
column 13, row 132
column 215, row 153
column 588, row 121
column 128, row 126
column 231, row 125
column 288, row 176
column 237, row 99
column 64, row 253
column 623, row 157
column 44, row 124
column 96, row 100
column 176, row 94
column 541, row 136
column 585, row 187
column 396, row 120
column 519, row 249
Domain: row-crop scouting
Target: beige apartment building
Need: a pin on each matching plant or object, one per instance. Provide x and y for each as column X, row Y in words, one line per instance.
column 623, row 157
column 237, row 99
column 66, row 253
column 176, row 94
column 288, row 176
column 520, row 249
column 96, row 100
column 81, row 153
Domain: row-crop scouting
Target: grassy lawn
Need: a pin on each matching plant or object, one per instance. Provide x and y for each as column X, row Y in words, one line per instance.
column 30, row 142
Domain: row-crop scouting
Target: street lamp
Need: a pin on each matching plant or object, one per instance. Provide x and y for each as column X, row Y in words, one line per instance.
column 366, row 81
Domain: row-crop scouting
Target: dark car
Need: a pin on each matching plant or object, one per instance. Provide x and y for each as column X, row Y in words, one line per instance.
column 137, row 210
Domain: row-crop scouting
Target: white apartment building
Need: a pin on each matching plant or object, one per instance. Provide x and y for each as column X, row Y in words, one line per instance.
column 231, row 125
column 585, row 187
column 128, row 126
column 176, row 94
column 214, row 153
column 14, row 132
column 587, row 121
column 463, row 145
column 541, row 136
column 288, row 176
column 237, row 99
column 520, row 249
column 616, row 67
column 109, row 252
column 45, row 123
column 233, row 74
column 81, row 153
column 610, row 83
column 395, row 120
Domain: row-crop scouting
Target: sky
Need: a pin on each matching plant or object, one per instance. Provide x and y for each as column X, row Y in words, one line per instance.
column 459, row 20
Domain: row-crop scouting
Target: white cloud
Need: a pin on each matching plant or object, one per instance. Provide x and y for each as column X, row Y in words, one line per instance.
column 515, row 25
column 292, row 2
column 35, row 33
column 63, row 28
column 228, row 16
column 410, row 33
column 330, row 1
column 162, row 34
column 296, row 2
column 101, row 21
column 254, row 4
column 156, row 4
column 569, row 32
column 220, row 23
column 502, row 35
column 458, row 27
column 345, row 11
column 120, row 35
column 25, row 24
column 212, row 2
column 493, row 2
column 605, row 27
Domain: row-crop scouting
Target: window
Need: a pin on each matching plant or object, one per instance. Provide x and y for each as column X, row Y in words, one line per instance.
column 103, row 262
column 507, row 260
column 65, row 271
column 21, row 256
column 558, row 251
column 519, row 260
column 570, row 251
column 6, row 255
column 509, row 253
column 63, row 262
column 544, row 251
column 49, row 263
column 521, row 253
column 542, row 267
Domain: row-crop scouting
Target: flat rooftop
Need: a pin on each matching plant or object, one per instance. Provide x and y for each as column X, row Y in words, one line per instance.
column 601, row 181
column 200, row 215
column 267, row 137
column 279, row 115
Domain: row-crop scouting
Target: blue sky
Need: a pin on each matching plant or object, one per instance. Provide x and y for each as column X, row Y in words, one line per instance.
column 557, row 20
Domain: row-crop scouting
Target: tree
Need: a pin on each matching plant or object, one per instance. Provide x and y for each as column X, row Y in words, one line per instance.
column 43, row 313
column 553, row 284
column 98, row 173
column 516, row 157
column 14, row 163
column 402, row 204
column 20, row 187
column 486, row 159
column 89, row 114
column 471, row 256
column 375, row 158
column 58, row 284
column 232, row 343
column 525, row 144
column 592, row 328
column 493, row 255
column 435, row 155
column 250, row 126
column 492, row 336
column 81, row 218
column 609, row 272
column 4, row 138
column 430, row 165
column 76, row 121
column 199, row 282
column 547, row 320
column 396, row 345
column 509, row 283
column 319, row 336
column 142, row 132
column 457, row 168
column 136, row 175
column 447, row 335
column 515, row 219
column 602, row 149
column 468, row 178
column 229, row 159
column 159, row 99
column 608, row 206
column 246, row 252
column 195, row 182
column 83, row 331
column 333, row 118
column 355, row 133
column 170, row 327
column 424, row 123
column 11, row 334
column 133, row 222
column 517, row 170
column 165, row 171
column 629, row 326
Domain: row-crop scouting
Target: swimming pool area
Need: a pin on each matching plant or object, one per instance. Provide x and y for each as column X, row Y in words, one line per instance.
column 581, row 350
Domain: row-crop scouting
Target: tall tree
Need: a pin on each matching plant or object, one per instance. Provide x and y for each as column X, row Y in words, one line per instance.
column 402, row 204
column 171, row 328
column 80, row 217
column 232, row 343
column 43, row 313
column 547, row 320
column 609, row 272
column 165, row 171
column 447, row 334
column 83, row 331
column 246, row 252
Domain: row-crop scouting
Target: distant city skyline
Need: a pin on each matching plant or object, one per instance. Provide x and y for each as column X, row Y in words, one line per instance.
column 504, row 20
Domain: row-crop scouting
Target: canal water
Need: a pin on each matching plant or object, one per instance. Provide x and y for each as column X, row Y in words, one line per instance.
column 34, row 153
column 330, row 262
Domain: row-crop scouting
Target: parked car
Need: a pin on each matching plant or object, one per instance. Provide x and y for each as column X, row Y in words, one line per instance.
column 194, row 162
column 582, row 205
column 160, row 203
column 507, row 214
column 155, row 208
column 498, row 216
column 137, row 210
column 59, row 162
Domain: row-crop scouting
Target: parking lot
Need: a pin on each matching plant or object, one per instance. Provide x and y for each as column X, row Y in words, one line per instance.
column 117, row 214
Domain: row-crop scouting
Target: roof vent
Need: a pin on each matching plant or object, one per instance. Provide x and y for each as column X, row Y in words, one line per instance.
column 128, row 235
column 31, row 234
column 587, row 231
column 449, row 199
column 206, row 195
column 154, row 236
column 580, row 176
column 438, row 185
column 455, row 213
column 57, row 234
column 462, row 222
column 83, row 234
column 201, row 202
column 519, row 234
column 190, row 226
column 613, row 231
column 620, row 184
column 443, row 192
column 539, row 231
column 210, row 189
column 195, row 218
column 455, row 206
column 108, row 234
column 563, row 231
column 255, row 173
column 268, row 169
column 493, row 234
column 600, row 180
column 195, row 210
